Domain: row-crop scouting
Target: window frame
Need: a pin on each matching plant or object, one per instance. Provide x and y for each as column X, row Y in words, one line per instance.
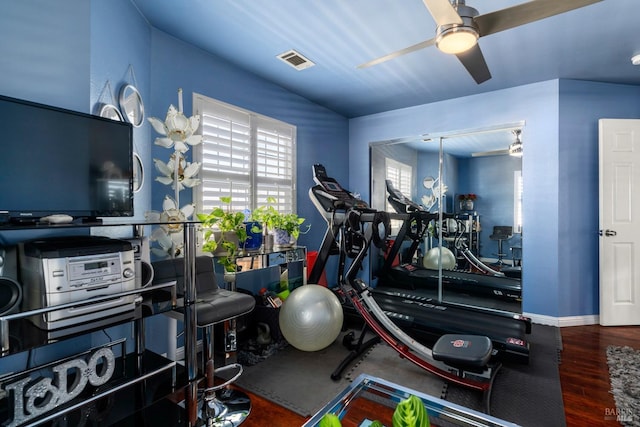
column 258, row 182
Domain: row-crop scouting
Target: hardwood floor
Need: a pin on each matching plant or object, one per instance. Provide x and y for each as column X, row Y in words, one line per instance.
column 583, row 373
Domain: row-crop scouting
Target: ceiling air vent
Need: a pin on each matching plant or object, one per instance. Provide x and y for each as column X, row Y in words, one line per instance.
column 296, row 60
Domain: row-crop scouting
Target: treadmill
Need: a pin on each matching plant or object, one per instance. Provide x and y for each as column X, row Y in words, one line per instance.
column 486, row 283
column 424, row 319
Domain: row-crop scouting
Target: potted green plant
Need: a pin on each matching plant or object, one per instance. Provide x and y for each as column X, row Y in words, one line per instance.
column 283, row 226
column 225, row 233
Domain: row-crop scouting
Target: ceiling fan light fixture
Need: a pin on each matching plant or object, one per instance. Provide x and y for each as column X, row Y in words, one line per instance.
column 515, row 148
column 456, row 39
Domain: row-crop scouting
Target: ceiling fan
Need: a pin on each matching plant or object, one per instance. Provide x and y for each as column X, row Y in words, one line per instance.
column 514, row 149
column 460, row 26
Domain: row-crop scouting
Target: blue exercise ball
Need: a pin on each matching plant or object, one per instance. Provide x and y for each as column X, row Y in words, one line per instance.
column 311, row 318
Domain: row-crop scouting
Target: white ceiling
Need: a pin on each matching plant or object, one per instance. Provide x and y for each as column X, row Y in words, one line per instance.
column 595, row 43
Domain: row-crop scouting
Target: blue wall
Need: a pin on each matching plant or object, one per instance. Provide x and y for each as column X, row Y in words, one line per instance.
column 45, row 52
column 559, row 169
column 537, row 104
column 491, row 178
column 581, row 105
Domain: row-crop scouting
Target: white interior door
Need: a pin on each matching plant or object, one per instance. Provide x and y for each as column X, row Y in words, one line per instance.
column 619, row 151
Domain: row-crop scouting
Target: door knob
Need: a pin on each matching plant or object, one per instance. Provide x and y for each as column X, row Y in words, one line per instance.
column 608, row 233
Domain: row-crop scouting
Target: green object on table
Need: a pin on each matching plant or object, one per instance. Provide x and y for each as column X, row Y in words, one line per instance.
column 330, row 420
column 376, row 423
column 410, row 413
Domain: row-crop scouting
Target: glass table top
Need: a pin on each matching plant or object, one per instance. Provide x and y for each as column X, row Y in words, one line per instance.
column 370, row 398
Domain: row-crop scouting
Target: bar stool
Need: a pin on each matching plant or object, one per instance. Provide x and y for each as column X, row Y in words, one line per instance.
column 222, row 405
column 501, row 233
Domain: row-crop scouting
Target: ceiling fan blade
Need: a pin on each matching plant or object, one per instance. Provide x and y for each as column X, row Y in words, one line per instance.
column 525, row 13
column 442, row 11
column 397, row 53
column 473, row 61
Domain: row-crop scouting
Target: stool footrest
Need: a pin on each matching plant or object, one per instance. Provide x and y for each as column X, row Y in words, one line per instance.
column 209, row 391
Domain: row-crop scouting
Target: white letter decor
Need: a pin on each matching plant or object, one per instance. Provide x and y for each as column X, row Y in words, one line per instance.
column 32, row 399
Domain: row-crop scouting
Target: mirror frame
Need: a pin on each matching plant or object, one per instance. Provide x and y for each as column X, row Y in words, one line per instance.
column 138, row 173
column 126, row 91
column 110, row 111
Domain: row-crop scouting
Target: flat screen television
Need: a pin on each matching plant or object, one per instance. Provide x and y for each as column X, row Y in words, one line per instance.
column 58, row 161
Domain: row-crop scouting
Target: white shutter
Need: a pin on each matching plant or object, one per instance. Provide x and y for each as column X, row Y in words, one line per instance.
column 517, row 201
column 275, row 164
column 244, row 155
column 401, row 175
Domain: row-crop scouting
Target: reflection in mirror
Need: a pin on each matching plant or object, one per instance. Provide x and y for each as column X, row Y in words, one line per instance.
column 428, row 182
column 131, row 105
column 110, row 111
column 478, row 188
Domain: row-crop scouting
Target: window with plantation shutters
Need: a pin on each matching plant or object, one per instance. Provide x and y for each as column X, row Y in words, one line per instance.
column 517, row 201
column 244, row 155
column 401, row 175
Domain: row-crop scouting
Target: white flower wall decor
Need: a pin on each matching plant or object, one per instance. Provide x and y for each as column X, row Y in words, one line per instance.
column 177, row 133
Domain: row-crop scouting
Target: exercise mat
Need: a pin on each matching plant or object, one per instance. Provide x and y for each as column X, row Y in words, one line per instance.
column 384, row 362
column 298, row 380
column 529, row 395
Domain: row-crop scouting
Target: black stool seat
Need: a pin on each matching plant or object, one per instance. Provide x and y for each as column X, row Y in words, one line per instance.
column 219, row 305
column 463, row 351
column 212, row 304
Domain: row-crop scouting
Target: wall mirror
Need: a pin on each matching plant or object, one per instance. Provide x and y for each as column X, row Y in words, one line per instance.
column 131, row 105
column 469, row 176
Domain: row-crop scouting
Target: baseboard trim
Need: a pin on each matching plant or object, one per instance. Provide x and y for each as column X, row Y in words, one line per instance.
column 542, row 319
column 592, row 319
column 562, row 322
